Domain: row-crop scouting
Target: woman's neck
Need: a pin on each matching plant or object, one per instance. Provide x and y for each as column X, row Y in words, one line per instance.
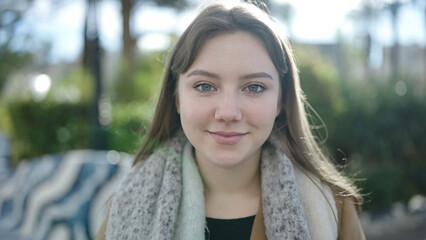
column 231, row 192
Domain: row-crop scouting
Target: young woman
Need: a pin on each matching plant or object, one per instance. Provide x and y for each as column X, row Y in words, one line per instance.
column 230, row 154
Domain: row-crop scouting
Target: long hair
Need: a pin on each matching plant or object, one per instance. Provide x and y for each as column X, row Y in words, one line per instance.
column 291, row 124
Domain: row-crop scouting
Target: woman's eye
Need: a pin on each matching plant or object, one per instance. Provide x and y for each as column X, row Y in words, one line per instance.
column 204, row 87
column 255, row 88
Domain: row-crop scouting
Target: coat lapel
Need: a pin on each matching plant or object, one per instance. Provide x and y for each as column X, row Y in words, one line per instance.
column 258, row 230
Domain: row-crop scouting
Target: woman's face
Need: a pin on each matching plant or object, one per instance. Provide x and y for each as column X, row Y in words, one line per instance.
column 228, row 100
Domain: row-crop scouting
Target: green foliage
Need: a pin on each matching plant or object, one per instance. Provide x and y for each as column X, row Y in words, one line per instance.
column 139, row 81
column 58, row 123
column 75, row 86
column 61, row 121
column 11, row 62
column 320, row 82
column 129, row 123
column 5, row 121
column 384, row 186
column 393, row 122
column 44, row 127
column 386, row 133
column 378, row 132
column 389, row 183
column 134, row 102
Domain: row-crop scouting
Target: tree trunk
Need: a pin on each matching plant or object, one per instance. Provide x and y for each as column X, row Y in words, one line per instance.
column 128, row 40
column 92, row 64
column 394, row 7
column 85, row 59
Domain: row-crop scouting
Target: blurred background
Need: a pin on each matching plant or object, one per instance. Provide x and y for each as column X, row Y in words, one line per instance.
column 85, row 74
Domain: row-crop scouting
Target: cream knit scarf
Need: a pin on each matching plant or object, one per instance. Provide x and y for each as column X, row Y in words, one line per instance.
column 162, row 197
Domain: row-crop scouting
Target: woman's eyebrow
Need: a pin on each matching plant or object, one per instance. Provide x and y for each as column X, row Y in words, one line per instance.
column 243, row 77
column 203, row 73
column 256, row 75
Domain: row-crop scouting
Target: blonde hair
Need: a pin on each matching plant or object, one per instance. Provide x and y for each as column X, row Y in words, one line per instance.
column 292, row 123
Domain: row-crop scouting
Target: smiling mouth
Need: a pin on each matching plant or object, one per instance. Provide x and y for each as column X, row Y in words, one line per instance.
column 227, row 138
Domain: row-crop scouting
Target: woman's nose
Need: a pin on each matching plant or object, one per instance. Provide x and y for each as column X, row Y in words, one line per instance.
column 228, row 108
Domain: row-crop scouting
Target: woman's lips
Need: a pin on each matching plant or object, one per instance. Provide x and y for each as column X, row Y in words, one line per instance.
column 227, row 138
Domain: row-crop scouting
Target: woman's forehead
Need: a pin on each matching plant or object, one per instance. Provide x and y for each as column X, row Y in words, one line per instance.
column 239, row 49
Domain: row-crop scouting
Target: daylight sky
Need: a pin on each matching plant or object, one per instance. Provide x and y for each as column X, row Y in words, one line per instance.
column 313, row 22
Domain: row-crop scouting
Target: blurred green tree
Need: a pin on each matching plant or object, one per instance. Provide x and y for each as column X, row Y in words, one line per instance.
column 11, row 61
column 376, row 128
column 40, row 128
column 128, row 7
column 144, row 81
column 133, row 105
column 128, row 66
column 383, row 134
column 11, row 13
column 320, row 81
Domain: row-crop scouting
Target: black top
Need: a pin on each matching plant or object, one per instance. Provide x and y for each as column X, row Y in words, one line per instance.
column 229, row 229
